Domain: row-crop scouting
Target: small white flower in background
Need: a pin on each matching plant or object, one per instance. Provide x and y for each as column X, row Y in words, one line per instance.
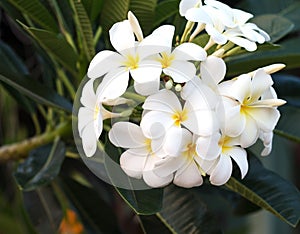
column 226, row 149
column 139, row 159
column 131, row 58
column 248, row 107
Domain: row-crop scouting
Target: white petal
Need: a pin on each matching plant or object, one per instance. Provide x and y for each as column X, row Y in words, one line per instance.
column 154, row 124
column 164, row 100
column 245, row 43
column 113, row 85
column 239, row 155
column 261, row 82
column 266, row 118
column 184, row 5
column 189, row 51
column 121, row 36
column 190, row 177
column 212, row 70
column 135, row 26
column 168, row 166
column 85, row 117
column 206, row 165
column 126, row 135
column 148, row 88
column 142, row 151
column 208, row 147
column 88, row 97
column 132, row 165
column 198, row 15
column 148, row 70
column 176, row 140
column 222, row 172
column 241, row 16
column 216, row 35
column 181, row 71
column 241, row 88
column 89, row 140
column 250, row 133
column 103, row 62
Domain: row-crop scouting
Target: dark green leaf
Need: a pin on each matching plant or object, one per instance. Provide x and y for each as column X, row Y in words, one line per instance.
column 84, row 28
column 288, row 53
column 164, row 10
column 269, row 191
column 145, row 12
column 43, row 209
column 36, row 91
column 292, row 13
column 36, row 11
column 55, row 45
column 113, row 12
column 93, row 8
column 41, row 167
column 275, row 25
column 184, row 212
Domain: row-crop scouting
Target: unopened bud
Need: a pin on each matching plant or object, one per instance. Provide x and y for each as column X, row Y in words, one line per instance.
column 169, row 84
column 178, row 87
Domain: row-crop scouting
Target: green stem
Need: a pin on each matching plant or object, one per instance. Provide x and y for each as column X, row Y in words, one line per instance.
column 21, row 149
column 286, row 135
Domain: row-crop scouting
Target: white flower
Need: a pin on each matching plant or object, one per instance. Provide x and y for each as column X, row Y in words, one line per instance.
column 248, row 106
column 165, row 117
column 139, row 160
column 90, row 118
column 226, row 149
column 132, row 58
column 186, row 165
column 176, row 63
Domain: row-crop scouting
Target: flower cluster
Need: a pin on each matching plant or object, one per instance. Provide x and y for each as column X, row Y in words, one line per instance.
column 194, row 121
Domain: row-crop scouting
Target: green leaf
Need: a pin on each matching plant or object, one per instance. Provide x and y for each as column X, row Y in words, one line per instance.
column 288, row 53
column 93, row 8
column 275, row 25
column 56, row 46
column 37, row 91
column 113, row 12
column 84, row 28
column 36, row 11
column 145, row 12
column 43, row 209
column 269, row 191
column 41, row 167
column 184, row 212
column 292, row 13
column 164, row 10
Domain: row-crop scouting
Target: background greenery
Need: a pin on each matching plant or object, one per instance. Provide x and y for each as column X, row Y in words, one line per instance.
column 45, row 48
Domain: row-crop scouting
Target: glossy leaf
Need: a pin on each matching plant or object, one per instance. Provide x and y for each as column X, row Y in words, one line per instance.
column 43, row 209
column 41, row 167
column 93, row 8
column 113, row 12
column 55, row 45
column 36, row 11
column 269, row 191
column 37, row 91
column 145, row 12
column 292, row 12
column 84, row 28
column 184, row 212
column 164, row 10
column 275, row 25
column 288, row 53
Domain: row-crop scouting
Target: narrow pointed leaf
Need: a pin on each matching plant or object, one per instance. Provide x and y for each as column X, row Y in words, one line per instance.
column 36, row 11
column 41, row 167
column 269, row 191
column 84, row 28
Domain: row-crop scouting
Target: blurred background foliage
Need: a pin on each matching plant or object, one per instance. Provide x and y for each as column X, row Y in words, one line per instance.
column 45, row 48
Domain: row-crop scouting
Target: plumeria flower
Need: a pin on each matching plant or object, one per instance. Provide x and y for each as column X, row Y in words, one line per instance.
column 247, row 107
column 91, row 116
column 186, row 165
column 131, row 58
column 139, row 159
column 165, row 117
column 225, row 149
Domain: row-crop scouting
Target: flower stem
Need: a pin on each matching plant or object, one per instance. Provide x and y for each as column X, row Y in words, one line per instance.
column 21, row 149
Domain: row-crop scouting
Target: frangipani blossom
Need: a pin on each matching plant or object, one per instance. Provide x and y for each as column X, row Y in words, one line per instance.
column 226, row 149
column 165, row 117
column 90, row 118
column 139, row 159
column 185, row 165
column 131, row 58
column 247, row 107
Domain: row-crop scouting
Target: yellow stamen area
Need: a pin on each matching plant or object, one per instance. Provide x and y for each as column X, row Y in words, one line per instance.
column 166, row 59
column 132, row 61
column 223, row 143
column 96, row 112
column 190, row 151
column 179, row 117
column 148, row 145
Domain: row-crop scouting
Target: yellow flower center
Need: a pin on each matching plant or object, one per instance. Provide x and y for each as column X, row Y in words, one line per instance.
column 223, row 143
column 132, row 61
column 179, row 117
column 148, row 145
column 190, row 151
column 96, row 112
column 166, row 59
